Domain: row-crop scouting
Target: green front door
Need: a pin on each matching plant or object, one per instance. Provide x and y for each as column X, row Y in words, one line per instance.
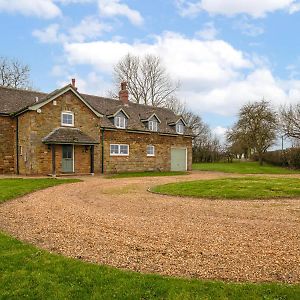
column 178, row 159
column 67, row 159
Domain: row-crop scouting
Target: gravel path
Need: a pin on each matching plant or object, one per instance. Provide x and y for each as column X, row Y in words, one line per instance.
column 118, row 223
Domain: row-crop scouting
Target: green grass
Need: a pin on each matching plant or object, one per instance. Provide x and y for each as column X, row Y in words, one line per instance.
column 145, row 174
column 234, row 188
column 12, row 188
column 243, row 168
column 30, row 273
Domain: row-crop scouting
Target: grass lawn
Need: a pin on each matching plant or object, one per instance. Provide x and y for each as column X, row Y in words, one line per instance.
column 145, row 174
column 243, row 168
column 234, row 188
column 12, row 188
column 27, row 272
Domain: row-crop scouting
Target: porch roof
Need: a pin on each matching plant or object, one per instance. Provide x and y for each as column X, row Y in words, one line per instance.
column 65, row 135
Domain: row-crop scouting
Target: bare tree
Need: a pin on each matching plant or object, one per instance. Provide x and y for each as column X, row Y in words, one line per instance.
column 147, row 78
column 290, row 120
column 256, row 127
column 14, row 74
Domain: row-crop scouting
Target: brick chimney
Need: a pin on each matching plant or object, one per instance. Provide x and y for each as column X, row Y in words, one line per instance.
column 123, row 94
column 74, row 83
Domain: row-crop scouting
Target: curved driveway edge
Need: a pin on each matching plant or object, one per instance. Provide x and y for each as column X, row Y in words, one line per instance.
column 118, row 223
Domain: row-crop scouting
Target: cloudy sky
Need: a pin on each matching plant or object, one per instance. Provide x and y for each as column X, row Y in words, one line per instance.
column 224, row 52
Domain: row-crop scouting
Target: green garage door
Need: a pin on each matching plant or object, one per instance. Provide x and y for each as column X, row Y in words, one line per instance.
column 178, row 159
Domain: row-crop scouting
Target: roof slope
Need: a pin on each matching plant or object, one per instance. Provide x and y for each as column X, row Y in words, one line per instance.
column 64, row 135
column 15, row 100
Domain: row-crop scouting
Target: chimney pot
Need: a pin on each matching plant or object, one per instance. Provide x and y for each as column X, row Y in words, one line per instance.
column 73, row 82
column 123, row 94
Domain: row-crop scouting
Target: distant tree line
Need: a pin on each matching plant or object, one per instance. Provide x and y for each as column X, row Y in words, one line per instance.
column 257, row 129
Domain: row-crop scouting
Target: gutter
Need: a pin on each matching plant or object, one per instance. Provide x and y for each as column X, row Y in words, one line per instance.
column 102, row 151
column 17, row 145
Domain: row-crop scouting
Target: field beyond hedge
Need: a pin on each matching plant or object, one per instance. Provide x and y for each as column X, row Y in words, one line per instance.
column 243, row 168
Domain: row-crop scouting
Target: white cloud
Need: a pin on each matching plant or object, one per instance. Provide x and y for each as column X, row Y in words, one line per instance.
column 89, row 28
column 48, row 35
column 92, row 83
column 41, row 8
column 220, row 133
column 112, row 8
column 67, row 2
column 254, row 8
column 208, row 32
column 215, row 77
column 248, row 28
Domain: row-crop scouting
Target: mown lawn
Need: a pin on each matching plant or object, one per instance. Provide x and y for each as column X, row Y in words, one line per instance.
column 30, row 273
column 234, row 188
column 12, row 188
column 27, row 272
column 243, row 168
column 145, row 174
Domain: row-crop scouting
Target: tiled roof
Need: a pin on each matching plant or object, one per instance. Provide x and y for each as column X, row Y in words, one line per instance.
column 14, row 100
column 65, row 135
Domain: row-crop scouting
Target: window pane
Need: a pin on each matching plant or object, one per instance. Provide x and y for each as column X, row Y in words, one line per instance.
column 152, row 125
column 67, row 119
column 180, row 128
column 150, row 150
column 114, row 149
column 120, row 122
column 123, row 149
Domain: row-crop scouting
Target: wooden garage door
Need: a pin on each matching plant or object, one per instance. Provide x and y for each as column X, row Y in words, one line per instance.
column 178, row 159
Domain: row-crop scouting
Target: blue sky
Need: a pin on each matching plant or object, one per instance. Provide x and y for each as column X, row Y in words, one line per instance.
column 224, row 52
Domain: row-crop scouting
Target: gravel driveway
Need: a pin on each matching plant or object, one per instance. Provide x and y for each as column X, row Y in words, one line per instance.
column 118, row 223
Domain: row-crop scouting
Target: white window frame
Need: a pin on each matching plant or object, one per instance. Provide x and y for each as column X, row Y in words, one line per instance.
column 180, row 128
column 152, row 125
column 120, row 122
column 119, row 150
column 62, row 118
column 152, row 147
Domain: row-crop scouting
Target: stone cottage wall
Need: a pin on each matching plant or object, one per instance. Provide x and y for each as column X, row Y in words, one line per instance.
column 7, row 145
column 34, row 126
column 138, row 159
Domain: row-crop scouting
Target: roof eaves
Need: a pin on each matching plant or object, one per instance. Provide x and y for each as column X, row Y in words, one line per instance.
column 119, row 110
column 153, row 115
column 60, row 92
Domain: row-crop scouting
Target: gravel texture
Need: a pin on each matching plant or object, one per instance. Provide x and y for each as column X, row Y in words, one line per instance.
column 117, row 222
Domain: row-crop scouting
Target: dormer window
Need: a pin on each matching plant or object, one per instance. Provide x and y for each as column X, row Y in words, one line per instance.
column 67, row 118
column 152, row 125
column 179, row 128
column 120, row 122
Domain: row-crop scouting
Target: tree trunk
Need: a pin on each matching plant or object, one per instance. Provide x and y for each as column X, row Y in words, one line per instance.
column 260, row 158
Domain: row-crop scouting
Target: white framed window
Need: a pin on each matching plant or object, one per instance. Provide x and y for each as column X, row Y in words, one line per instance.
column 67, row 118
column 180, row 128
column 152, row 125
column 120, row 122
column 119, row 149
column 150, row 150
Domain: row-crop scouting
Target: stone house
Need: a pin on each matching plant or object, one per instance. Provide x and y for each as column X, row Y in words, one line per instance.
column 69, row 132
